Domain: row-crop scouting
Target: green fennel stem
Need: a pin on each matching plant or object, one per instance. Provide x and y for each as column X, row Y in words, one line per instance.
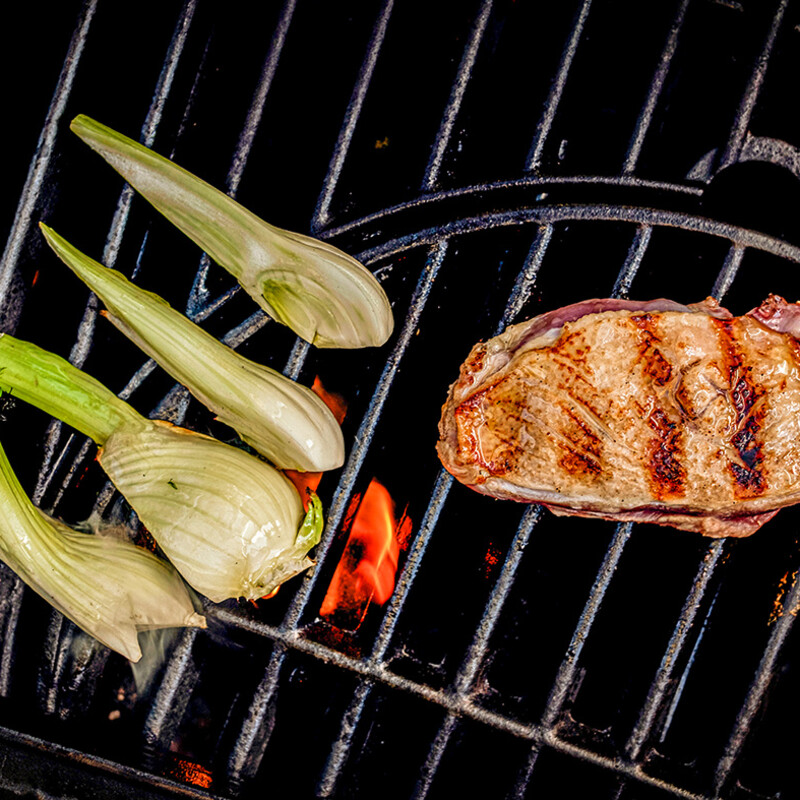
column 52, row 384
column 17, row 508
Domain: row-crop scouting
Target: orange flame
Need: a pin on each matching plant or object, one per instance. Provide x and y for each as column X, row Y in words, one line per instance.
column 366, row 570
column 335, row 402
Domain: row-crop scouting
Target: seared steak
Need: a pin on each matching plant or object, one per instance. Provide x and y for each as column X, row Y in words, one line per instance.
column 658, row 412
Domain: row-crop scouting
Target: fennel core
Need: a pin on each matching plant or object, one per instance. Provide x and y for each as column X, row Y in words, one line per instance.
column 231, row 524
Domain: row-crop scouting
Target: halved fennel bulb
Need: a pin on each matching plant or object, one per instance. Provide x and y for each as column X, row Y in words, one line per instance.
column 106, row 585
column 233, row 525
column 324, row 295
column 283, row 420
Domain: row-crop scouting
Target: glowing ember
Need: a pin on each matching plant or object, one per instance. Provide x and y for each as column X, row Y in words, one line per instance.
column 491, row 560
column 366, row 570
column 778, row 609
column 189, row 772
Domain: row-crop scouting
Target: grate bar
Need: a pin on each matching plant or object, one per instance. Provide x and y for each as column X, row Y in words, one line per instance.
column 730, row 268
column 441, row 490
column 566, row 213
column 445, row 132
column 761, row 681
column 566, row 673
column 522, row 288
column 338, row 505
column 434, row 757
column 198, row 306
column 654, row 93
column 534, row 159
column 34, row 182
column 297, row 357
column 520, row 789
column 11, row 595
column 661, row 683
column 465, row 679
column 162, row 708
column 35, row 767
column 739, row 131
column 477, row 651
column 62, row 460
column 526, row 279
column 542, row 184
column 85, row 333
column 367, row 428
column 685, row 674
column 322, row 212
column 147, row 134
column 633, row 261
column 343, row 743
column 241, row 333
column 243, row 757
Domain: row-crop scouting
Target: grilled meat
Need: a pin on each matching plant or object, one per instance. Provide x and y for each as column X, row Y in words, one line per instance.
column 656, row 412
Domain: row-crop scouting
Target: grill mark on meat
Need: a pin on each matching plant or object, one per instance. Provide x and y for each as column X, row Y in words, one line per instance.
column 666, row 473
column 655, row 365
column 579, row 445
column 570, row 353
column 469, row 415
column 505, row 456
column 581, row 454
column 573, row 366
column 749, row 478
column 592, row 416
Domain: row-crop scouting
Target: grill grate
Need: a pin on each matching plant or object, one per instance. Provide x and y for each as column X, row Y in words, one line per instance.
column 642, row 661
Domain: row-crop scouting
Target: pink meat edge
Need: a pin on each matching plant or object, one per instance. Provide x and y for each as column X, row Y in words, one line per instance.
column 556, row 319
column 778, row 315
column 711, row 526
column 489, row 357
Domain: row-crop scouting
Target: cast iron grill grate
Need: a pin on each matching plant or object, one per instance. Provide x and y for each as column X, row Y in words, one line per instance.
column 488, row 163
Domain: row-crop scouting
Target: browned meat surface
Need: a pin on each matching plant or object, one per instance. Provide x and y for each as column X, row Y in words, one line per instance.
column 682, row 416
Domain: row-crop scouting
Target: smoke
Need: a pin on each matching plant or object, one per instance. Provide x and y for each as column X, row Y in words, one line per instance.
column 157, row 646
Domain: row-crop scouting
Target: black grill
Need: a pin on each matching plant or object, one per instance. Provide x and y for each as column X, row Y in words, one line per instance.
column 488, row 160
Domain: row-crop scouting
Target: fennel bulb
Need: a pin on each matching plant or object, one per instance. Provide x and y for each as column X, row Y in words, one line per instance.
column 109, row 587
column 233, row 525
column 324, row 295
column 281, row 419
